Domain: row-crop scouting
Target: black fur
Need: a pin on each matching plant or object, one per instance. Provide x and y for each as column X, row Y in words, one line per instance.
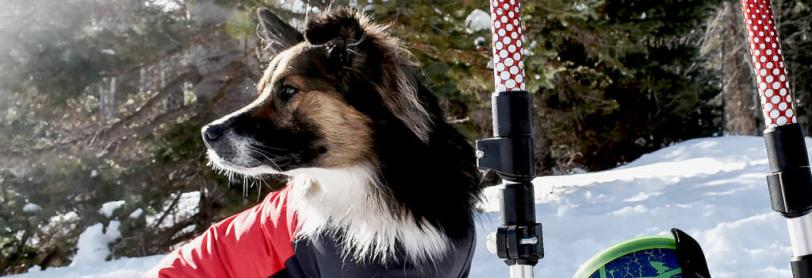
column 436, row 180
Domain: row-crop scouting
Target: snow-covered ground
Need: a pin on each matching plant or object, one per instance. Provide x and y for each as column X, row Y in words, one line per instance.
column 120, row 268
column 712, row 188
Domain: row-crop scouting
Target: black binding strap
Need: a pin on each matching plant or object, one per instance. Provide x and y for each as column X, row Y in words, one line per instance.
column 690, row 256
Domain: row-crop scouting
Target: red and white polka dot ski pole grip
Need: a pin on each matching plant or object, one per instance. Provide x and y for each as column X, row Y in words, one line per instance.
column 768, row 62
column 508, row 60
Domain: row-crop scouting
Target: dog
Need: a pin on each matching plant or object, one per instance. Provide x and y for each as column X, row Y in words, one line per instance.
column 378, row 180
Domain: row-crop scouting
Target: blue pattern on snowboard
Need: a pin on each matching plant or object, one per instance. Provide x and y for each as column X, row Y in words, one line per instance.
column 644, row 263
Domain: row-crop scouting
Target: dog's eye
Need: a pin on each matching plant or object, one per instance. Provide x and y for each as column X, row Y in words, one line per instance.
column 286, row 92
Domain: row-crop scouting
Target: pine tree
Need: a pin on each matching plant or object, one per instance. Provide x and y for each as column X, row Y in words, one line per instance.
column 794, row 20
column 725, row 50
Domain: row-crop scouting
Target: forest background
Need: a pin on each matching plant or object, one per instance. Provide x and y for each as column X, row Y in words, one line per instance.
column 101, row 101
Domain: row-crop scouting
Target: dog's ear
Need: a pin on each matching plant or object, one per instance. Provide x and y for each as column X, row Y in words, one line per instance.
column 340, row 31
column 341, row 25
column 277, row 34
column 356, row 44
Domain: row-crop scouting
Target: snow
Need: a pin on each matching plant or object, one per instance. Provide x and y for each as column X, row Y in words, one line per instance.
column 136, row 213
column 297, row 6
column 478, row 20
column 712, row 188
column 31, row 208
column 120, row 268
column 93, row 243
column 186, row 207
column 166, row 5
column 70, row 216
column 109, row 208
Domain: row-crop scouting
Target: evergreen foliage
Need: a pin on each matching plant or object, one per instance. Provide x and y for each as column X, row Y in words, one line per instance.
column 794, row 20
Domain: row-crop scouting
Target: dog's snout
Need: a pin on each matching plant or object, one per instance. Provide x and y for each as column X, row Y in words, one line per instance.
column 212, row 133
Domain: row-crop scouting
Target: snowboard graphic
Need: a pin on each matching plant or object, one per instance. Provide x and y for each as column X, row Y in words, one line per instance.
column 660, row 263
column 646, row 257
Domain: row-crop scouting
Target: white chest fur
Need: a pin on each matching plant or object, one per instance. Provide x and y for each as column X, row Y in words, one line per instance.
column 346, row 200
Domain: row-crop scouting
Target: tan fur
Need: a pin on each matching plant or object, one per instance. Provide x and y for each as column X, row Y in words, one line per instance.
column 277, row 68
column 347, row 131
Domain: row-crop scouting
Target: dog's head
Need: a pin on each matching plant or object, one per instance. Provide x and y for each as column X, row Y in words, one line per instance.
column 321, row 96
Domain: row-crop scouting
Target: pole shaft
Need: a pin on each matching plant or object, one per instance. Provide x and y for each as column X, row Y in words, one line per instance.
column 799, row 230
column 521, row 271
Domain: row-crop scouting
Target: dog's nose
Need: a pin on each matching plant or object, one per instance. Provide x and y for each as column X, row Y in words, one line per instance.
column 212, row 133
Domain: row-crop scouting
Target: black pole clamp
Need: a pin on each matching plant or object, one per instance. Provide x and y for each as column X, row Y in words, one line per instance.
column 519, row 240
column 510, row 154
column 801, row 266
column 790, row 179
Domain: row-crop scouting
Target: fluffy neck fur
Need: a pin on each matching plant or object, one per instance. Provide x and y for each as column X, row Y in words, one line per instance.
column 346, row 204
column 413, row 202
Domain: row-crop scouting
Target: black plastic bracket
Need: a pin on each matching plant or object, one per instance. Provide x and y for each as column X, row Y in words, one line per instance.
column 510, row 154
column 519, row 240
column 790, row 179
column 520, row 244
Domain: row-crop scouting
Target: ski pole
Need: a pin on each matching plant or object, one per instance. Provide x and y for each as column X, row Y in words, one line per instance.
column 790, row 180
column 510, row 152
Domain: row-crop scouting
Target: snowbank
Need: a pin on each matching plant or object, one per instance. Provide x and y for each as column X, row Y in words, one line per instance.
column 109, row 208
column 120, row 268
column 712, row 188
column 93, row 243
column 31, row 208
